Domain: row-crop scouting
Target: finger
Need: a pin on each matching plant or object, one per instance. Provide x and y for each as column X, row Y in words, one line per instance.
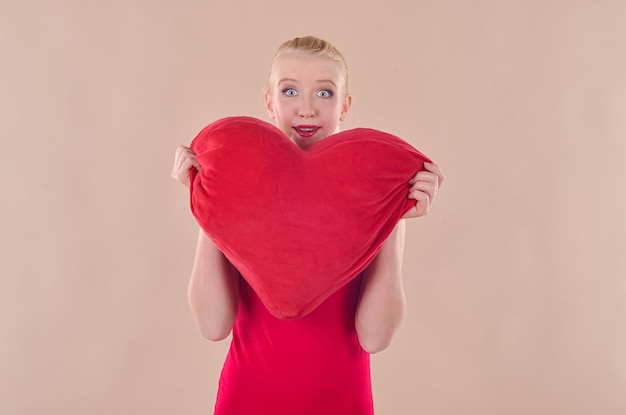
column 419, row 195
column 428, row 187
column 184, row 173
column 181, row 151
column 422, row 204
column 179, row 157
column 195, row 163
column 187, row 164
column 189, row 154
column 434, row 168
column 414, row 178
column 184, row 156
column 180, row 172
column 426, row 177
column 187, row 161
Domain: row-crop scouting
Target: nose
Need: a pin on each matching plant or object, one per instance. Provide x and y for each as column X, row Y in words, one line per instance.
column 307, row 109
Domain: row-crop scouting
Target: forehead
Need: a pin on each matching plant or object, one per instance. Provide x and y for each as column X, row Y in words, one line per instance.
column 303, row 68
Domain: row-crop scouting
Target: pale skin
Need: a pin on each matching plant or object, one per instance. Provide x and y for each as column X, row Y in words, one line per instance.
column 307, row 100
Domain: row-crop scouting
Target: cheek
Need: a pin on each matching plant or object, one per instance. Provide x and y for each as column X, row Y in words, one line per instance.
column 331, row 107
column 335, row 111
column 284, row 107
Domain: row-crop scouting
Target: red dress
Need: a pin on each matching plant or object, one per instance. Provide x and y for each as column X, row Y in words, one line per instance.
column 309, row 366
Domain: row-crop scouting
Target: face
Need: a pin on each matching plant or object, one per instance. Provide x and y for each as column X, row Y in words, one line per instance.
column 307, row 99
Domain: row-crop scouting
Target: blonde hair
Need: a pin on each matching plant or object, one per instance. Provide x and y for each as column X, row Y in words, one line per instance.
column 310, row 46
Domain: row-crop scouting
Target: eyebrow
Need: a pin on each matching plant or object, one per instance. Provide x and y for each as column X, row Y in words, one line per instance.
column 321, row 81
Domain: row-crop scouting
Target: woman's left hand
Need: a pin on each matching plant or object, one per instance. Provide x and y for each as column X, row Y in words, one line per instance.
column 423, row 188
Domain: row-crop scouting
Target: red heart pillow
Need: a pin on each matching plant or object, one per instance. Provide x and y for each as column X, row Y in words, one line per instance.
column 299, row 224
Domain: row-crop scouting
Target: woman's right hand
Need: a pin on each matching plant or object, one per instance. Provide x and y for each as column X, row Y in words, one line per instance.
column 184, row 160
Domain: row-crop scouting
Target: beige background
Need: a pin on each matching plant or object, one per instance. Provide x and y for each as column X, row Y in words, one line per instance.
column 515, row 282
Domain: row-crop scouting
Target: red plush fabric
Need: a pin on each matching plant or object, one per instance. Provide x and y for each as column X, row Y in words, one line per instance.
column 299, row 224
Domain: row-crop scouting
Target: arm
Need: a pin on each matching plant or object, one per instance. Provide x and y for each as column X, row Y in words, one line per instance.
column 213, row 290
column 214, row 285
column 382, row 304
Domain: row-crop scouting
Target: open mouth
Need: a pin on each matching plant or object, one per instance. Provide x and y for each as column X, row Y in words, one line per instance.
column 306, row 130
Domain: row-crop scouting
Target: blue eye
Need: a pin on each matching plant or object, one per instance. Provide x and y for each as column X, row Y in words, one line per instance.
column 325, row 93
column 290, row 92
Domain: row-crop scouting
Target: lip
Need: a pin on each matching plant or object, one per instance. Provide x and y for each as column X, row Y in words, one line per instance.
column 306, row 131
